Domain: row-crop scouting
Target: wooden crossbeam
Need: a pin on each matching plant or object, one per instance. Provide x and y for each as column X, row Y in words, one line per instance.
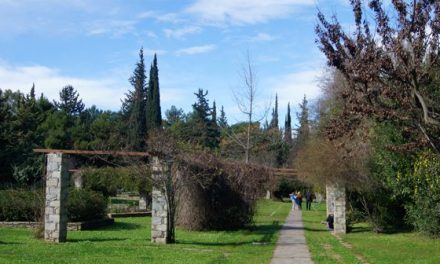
column 285, row 170
column 93, row 152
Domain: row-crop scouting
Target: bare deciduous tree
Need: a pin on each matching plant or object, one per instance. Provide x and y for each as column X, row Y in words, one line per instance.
column 390, row 73
column 245, row 96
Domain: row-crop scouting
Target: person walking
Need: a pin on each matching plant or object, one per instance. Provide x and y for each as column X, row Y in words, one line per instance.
column 294, row 201
column 309, row 199
column 299, row 200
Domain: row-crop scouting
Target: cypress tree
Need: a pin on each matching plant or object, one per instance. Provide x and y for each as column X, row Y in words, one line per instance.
column 288, row 127
column 154, row 116
column 274, row 121
column 222, row 121
column 213, row 129
column 32, row 92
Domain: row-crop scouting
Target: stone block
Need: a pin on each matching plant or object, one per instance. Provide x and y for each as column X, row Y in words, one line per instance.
column 162, row 227
column 156, row 221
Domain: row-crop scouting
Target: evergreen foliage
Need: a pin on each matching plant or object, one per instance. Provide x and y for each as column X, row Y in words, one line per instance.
column 205, row 131
column 154, row 116
column 288, row 127
column 222, row 121
column 69, row 101
column 174, row 115
column 274, row 121
column 134, row 107
column 304, row 126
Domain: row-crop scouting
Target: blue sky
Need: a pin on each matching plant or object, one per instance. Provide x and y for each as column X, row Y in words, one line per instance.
column 94, row 44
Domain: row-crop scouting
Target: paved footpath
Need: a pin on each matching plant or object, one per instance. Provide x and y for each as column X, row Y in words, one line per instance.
column 291, row 245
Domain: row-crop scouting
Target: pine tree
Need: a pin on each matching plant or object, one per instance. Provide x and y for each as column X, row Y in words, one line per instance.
column 274, row 121
column 69, row 101
column 222, row 121
column 204, row 130
column 154, row 116
column 134, row 107
column 288, row 127
column 174, row 115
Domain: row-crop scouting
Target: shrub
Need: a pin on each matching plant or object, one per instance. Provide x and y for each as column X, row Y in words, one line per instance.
column 86, row 205
column 21, row 205
column 287, row 186
column 109, row 180
column 424, row 212
column 28, row 205
column 218, row 195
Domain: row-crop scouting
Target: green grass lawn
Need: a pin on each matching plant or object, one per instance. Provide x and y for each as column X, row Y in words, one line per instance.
column 128, row 241
column 364, row 246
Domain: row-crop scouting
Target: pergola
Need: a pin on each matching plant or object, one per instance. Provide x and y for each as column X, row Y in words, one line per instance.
column 59, row 163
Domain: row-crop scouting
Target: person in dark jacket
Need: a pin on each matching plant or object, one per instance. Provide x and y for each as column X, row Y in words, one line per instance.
column 309, row 199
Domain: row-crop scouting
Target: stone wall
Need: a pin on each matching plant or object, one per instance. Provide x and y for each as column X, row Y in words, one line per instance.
column 71, row 226
column 159, row 213
column 57, row 183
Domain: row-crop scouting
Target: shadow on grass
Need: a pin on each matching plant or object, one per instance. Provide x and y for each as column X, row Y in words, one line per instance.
column 387, row 231
column 305, row 229
column 268, row 232
column 221, row 244
column 118, row 226
column 76, row 240
column 9, row 243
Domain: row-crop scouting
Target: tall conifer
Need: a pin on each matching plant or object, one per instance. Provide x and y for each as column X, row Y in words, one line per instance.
column 154, row 116
column 288, row 127
column 222, row 121
column 134, row 107
column 304, row 126
column 274, row 121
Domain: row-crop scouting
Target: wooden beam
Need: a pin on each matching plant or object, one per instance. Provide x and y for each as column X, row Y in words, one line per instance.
column 285, row 175
column 93, row 152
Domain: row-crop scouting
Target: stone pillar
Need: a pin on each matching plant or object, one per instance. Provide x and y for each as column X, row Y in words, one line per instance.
column 142, row 202
column 57, row 183
column 159, row 212
column 340, row 225
column 318, row 197
column 268, row 195
column 78, row 179
column 329, row 198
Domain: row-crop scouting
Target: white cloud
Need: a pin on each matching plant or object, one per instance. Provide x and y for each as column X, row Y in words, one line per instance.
column 263, row 37
column 195, row 50
column 151, row 52
column 105, row 93
column 146, row 14
column 114, row 27
column 169, row 17
column 244, row 11
column 181, row 32
column 292, row 87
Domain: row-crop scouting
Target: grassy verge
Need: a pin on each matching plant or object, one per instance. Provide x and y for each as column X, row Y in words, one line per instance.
column 364, row 246
column 128, row 241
